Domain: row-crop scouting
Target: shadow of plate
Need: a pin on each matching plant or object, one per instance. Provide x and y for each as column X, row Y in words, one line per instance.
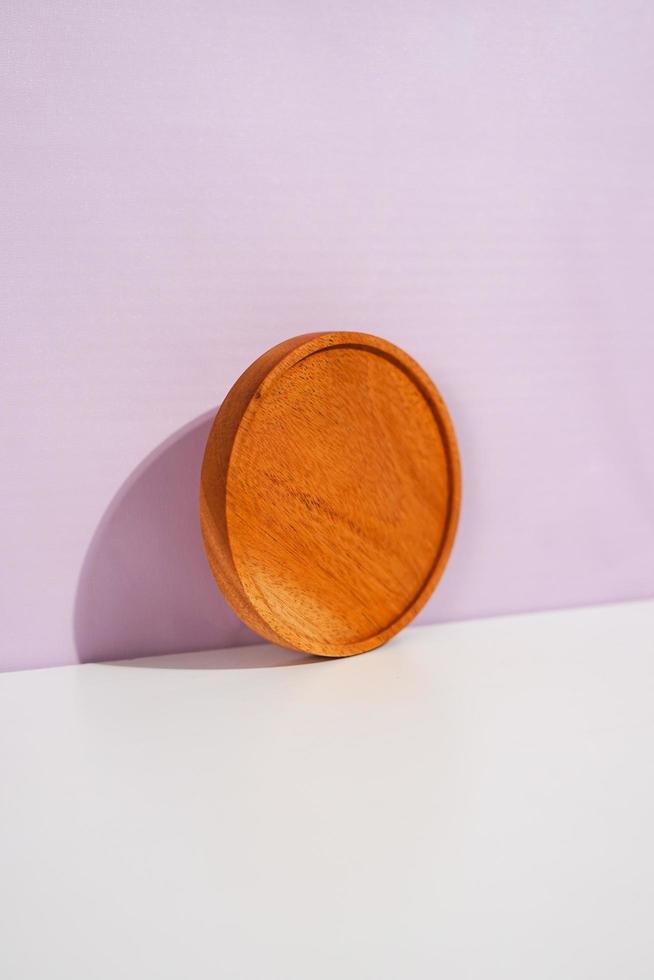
column 145, row 588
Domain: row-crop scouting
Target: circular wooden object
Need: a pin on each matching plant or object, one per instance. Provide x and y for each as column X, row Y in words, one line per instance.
column 330, row 493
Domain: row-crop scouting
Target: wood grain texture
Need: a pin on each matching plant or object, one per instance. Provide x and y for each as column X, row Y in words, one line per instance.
column 330, row 493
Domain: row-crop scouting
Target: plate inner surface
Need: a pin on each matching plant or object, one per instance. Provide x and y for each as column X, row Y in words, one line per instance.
column 337, row 496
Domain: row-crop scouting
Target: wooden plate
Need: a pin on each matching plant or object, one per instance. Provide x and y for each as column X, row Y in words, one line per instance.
column 330, row 493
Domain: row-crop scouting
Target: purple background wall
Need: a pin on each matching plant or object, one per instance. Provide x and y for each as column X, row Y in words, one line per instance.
column 187, row 184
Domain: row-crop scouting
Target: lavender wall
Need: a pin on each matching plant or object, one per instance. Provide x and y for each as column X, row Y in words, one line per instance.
column 187, row 184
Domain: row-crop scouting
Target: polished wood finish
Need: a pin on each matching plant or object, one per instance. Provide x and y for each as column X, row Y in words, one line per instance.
column 330, row 493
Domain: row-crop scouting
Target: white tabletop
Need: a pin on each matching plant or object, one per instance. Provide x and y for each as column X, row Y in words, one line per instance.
column 474, row 800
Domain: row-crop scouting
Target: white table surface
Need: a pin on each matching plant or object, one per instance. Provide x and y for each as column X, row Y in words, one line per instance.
column 474, row 800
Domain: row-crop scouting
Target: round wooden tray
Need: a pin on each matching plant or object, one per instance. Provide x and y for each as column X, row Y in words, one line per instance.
column 330, row 493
